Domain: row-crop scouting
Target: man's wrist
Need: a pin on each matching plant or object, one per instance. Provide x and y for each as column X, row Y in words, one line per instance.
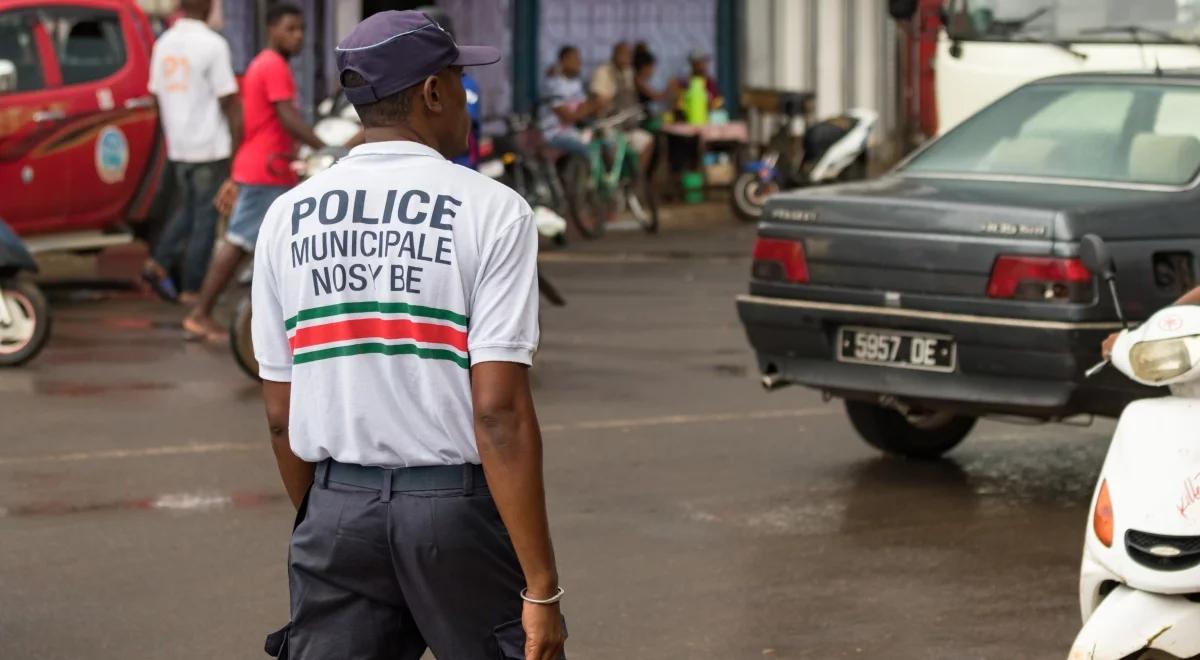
column 542, row 586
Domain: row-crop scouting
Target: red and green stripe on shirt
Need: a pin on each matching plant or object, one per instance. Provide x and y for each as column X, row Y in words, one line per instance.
column 370, row 327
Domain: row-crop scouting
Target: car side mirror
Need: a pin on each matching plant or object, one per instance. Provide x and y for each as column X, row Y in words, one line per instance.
column 8, row 76
column 1095, row 255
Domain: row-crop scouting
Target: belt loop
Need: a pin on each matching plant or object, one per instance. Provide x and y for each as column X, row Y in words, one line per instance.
column 468, row 479
column 385, row 493
column 323, row 473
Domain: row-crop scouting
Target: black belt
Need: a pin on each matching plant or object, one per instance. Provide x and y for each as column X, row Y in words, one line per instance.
column 467, row 477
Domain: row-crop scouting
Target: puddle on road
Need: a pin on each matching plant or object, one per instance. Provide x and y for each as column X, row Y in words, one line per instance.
column 990, row 479
column 169, row 502
column 731, row 370
column 76, row 389
column 139, row 323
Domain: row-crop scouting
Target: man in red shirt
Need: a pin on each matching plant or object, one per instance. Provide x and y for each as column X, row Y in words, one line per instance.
column 272, row 125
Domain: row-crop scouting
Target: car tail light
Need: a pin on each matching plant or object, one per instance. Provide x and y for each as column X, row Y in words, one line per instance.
column 1102, row 517
column 1040, row 278
column 780, row 260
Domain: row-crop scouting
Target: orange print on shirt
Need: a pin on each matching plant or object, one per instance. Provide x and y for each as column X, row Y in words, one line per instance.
column 176, row 70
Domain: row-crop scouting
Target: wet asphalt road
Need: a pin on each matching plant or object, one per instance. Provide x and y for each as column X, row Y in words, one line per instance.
column 695, row 515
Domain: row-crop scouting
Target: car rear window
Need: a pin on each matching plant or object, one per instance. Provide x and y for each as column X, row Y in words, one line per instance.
column 88, row 42
column 1136, row 133
column 20, row 66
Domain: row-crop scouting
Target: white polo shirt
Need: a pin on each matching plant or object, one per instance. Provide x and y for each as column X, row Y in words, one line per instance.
column 377, row 285
column 189, row 72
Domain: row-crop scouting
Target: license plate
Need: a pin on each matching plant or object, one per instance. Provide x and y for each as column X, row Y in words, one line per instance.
column 897, row 348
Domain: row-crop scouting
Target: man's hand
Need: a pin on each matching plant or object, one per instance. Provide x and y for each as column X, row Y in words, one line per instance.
column 1107, row 345
column 543, row 631
column 226, row 197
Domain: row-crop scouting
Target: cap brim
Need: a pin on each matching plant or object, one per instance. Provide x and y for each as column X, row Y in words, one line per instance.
column 476, row 56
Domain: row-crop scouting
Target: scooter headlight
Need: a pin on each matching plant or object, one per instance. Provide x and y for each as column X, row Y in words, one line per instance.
column 1162, row 360
column 1102, row 516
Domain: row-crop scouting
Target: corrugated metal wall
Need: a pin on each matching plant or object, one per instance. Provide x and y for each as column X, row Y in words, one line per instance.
column 672, row 28
column 842, row 50
column 487, row 24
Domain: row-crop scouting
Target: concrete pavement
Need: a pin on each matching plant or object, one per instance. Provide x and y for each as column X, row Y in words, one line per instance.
column 695, row 515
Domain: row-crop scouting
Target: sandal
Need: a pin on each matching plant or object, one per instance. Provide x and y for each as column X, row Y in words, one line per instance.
column 161, row 285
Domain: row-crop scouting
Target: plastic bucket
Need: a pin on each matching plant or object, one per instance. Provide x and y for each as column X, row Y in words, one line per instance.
column 693, row 187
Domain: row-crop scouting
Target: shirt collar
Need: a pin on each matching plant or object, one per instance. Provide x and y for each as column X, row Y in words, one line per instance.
column 394, row 148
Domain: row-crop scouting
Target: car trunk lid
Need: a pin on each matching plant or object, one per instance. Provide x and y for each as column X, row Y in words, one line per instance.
column 917, row 236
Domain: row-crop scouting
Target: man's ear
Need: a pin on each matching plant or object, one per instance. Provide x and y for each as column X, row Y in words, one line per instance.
column 432, row 94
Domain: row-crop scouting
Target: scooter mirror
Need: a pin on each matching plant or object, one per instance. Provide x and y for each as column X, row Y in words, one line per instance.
column 1095, row 255
column 902, row 10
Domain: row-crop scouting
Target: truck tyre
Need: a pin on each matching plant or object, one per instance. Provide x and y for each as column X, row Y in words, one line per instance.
column 925, row 435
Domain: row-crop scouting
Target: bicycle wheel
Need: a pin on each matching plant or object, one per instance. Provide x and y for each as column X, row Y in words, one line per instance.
column 588, row 207
column 642, row 202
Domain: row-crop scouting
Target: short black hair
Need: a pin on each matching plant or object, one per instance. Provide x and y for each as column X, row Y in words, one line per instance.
column 643, row 59
column 281, row 9
column 387, row 111
column 565, row 50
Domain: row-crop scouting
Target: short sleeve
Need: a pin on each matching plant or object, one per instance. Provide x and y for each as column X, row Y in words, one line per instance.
column 268, row 329
column 154, row 84
column 504, row 311
column 279, row 83
column 604, row 83
column 220, row 73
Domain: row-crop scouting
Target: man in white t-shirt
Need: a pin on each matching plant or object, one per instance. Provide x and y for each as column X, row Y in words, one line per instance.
column 395, row 318
column 564, row 103
column 191, row 76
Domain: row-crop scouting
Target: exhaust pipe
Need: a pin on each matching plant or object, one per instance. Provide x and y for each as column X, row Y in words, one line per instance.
column 773, row 381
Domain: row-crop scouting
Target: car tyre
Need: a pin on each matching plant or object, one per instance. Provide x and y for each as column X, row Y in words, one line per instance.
column 920, row 435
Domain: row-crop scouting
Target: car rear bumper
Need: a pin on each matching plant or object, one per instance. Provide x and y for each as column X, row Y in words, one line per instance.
column 1005, row 365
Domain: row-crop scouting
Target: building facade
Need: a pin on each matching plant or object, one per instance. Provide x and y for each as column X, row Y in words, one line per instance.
column 844, row 51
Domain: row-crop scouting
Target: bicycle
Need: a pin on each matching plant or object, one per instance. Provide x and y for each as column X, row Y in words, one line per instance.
column 610, row 180
column 528, row 168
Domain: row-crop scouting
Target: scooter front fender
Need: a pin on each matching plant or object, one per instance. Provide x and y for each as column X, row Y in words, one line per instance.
column 1128, row 621
column 13, row 255
column 762, row 168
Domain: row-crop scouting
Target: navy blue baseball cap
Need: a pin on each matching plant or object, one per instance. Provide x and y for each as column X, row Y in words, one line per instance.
column 394, row 50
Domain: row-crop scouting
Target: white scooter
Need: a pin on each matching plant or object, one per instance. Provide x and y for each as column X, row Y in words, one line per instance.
column 830, row 151
column 1139, row 585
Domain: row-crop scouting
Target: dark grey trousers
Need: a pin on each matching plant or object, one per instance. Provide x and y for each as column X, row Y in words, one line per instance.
column 376, row 577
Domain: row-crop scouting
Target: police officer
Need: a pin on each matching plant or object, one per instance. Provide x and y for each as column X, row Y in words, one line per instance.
column 395, row 318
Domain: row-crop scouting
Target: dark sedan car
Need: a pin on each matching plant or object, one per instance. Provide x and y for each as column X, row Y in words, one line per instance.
column 951, row 288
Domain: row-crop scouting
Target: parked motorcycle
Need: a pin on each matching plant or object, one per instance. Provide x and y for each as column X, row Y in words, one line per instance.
column 338, row 123
column 514, row 159
column 1140, row 575
column 24, row 313
column 828, row 151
